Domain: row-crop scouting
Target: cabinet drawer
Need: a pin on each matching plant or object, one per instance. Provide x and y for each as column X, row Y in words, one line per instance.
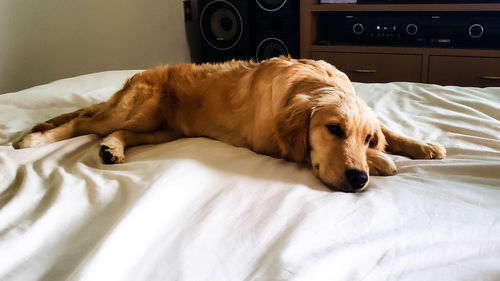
column 464, row 71
column 363, row 67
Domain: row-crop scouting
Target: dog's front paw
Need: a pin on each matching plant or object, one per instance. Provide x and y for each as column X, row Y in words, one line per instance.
column 32, row 140
column 380, row 164
column 111, row 155
column 433, row 151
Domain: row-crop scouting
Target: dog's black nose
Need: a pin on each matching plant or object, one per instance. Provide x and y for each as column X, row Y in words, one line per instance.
column 356, row 178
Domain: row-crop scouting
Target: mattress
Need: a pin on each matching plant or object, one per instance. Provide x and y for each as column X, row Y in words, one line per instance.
column 200, row 209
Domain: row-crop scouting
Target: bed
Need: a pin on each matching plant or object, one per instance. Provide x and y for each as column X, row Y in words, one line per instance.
column 199, row 209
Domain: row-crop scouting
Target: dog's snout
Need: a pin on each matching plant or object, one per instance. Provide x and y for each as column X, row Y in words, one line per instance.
column 356, row 178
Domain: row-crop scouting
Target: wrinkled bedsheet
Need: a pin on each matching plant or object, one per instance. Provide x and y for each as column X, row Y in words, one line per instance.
column 199, row 209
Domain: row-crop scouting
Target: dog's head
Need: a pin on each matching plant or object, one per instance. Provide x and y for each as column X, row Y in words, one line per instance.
column 331, row 128
column 341, row 129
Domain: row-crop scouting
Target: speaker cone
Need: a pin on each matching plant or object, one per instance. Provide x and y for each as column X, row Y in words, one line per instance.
column 271, row 47
column 221, row 25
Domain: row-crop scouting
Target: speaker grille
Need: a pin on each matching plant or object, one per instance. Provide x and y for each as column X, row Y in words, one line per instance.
column 221, row 25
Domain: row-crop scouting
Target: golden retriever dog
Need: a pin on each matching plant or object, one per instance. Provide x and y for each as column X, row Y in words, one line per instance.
column 301, row 110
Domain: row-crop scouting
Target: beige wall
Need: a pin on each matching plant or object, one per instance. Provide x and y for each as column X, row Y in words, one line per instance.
column 45, row 40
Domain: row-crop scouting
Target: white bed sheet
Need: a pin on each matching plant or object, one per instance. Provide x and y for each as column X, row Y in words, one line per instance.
column 199, row 209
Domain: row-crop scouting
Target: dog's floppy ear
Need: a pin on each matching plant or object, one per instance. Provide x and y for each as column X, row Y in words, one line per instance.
column 292, row 129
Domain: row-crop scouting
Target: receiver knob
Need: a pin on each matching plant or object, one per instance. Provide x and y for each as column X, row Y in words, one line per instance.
column 358, row 28
column 411, row 29
column 476, row 30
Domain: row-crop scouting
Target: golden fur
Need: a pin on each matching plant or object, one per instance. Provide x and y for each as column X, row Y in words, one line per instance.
column 302, row 110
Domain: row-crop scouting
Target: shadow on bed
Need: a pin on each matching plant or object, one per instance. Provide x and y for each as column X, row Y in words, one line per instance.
column 216, row 155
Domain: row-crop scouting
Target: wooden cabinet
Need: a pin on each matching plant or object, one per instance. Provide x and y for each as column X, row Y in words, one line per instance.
column 366, row 67
column 464, row 71
column 444, row 66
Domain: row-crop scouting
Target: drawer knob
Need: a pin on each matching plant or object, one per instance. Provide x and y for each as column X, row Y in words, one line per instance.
column 488, row 77
column 364, row 70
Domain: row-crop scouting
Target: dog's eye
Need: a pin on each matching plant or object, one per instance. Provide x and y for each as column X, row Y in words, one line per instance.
column 368, row 138
column 335, row 130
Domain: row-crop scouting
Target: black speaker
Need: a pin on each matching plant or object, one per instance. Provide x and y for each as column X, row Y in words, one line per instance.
column 226, row 29
column 277, row 28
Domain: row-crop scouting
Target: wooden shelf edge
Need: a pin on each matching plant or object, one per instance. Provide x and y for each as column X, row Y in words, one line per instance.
column 406, row 50
column 365, row 49
column 484, row 7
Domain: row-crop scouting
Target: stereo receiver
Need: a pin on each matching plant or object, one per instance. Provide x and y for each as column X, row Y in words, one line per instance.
column 429, row 29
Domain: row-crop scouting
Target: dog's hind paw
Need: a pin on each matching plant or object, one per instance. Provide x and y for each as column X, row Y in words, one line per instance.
column 111, row 155
column 32, row 140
